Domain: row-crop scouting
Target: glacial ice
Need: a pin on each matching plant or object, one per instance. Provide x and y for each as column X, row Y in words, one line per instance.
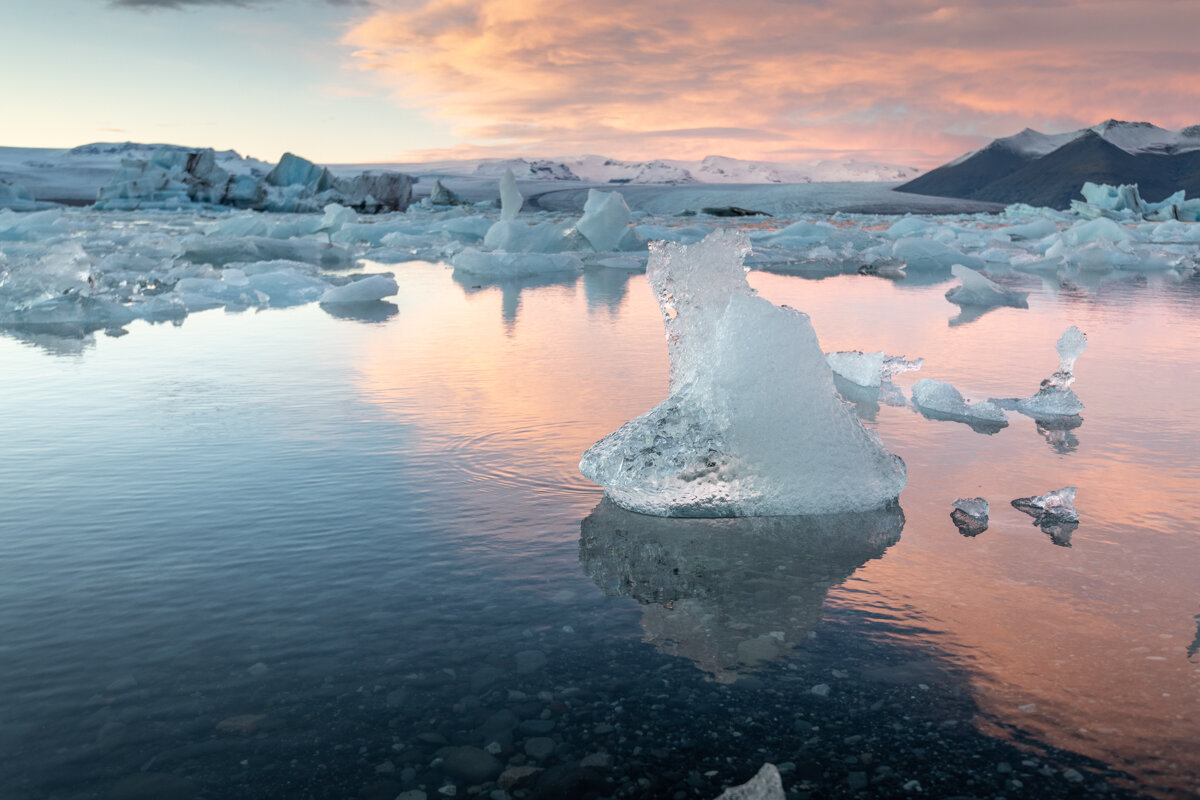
column 970, row 515
column 1054, row 512
column 861, row 369
column 928, row 256
column 1055, row 398
column 504, row 266
column 976, row 290
column 363, row 290
column 511, row 199
column 605, row 222
column 752, row 425
column 940, row 400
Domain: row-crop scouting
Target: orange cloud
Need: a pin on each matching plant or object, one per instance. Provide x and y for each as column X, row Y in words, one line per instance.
column 913, row 81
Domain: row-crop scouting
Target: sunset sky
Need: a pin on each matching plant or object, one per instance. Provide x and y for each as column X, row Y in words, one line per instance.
column 912, row 82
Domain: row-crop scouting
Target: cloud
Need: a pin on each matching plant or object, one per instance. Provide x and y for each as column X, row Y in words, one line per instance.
column 910, row 81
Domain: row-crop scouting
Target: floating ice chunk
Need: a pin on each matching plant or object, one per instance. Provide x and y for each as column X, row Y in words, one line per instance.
column 287, row 286
column 909, row 226
column 1054, row 512
column 292, row 170
column 68, row 314
column 940, row 400
column 970, row 515
column 605, row 221
column 861, row 369
column 441, row 196
column 1096, row 230
column 501, row 266
column 898, row 365
column 159, row 308
column 976, row 290
column 220, row 252
column 1055, row 398
column 1038, row 229
column 466, row 229
column 1104, row 200
column 364, row 290
column 684, row 234
column 931, row 257
column 545, row 237
column 798, row 233
column 232, row 290
column 16, row 197
column 511, row 198
column 753, row 425
column 40, row 225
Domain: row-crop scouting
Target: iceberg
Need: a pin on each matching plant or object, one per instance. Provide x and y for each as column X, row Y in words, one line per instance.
column 861, row 369
column 441, row 196
column 931, row 257
column 605, row 221
column 940, row 400
column 753, row 425
column 503, row 266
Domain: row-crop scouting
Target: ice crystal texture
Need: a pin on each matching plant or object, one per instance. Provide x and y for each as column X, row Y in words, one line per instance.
column 753, row 425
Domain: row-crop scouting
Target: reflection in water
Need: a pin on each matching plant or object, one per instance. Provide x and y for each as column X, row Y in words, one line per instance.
column 967, row 525
column 1058, row 433
column 53, row 343
column 968, row 314
column 370, row 311
column 731, row 593
column 511, row 288
column 606, row 288
column 1194, row 647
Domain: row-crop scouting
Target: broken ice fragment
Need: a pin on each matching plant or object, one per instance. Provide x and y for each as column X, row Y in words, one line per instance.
column 766, row 785
column 940, row 400
column 366, row 290
column 605, row 221
column 976, row 290
column 1054, row 512
column 970, row 515
column 1055, row 397
column 510, row 197
column 753, row 425
column 861, row 369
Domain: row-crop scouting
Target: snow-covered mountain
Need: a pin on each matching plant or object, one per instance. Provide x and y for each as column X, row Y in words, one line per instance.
column 1049, row 169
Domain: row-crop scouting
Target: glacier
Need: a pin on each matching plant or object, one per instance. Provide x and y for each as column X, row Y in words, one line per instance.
column 752, row 425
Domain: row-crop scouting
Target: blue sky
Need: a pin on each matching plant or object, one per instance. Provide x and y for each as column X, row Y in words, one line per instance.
column 910, row 82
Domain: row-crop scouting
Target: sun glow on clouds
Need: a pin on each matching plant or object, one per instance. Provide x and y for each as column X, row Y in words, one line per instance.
column 911, row 82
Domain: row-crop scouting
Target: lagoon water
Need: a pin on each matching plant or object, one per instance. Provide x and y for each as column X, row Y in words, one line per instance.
column 289, row 554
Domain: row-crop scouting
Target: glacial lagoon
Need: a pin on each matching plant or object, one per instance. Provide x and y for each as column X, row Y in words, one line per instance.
column 340, row 552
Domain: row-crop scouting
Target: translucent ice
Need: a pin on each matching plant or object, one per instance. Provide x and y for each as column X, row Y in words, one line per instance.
column 364, row 290
column 1055, row 506
column 510, row 197
column 753, row 425
column 1055, row 398
column 976, row 290
column 940, row 400
column 765, row 785
column 931, row 257
column 605, row 220
column 970, row 515
column 862, row 369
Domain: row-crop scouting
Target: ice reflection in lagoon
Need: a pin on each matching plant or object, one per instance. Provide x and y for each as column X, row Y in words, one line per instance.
column 730, row 594
column 384, row 511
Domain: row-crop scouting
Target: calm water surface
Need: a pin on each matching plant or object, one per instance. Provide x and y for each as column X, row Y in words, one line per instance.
column 294, row 555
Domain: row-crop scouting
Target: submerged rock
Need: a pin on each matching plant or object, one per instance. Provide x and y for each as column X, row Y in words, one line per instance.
column 970, row 515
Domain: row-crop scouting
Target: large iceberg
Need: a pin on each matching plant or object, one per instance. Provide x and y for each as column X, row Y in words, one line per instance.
column 753, row 424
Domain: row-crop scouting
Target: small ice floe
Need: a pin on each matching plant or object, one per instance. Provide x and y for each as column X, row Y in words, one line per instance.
column 365, row 290
column 970, row 515
column 940, row 400
column 976, row 290
column 1055, row 399
column 1054, row 512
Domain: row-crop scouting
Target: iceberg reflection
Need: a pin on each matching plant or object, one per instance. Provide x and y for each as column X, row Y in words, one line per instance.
column 730, row 594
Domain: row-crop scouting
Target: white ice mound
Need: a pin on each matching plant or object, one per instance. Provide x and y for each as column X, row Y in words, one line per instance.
column 861, row 369
column 363, row 290
column 978, row 291
column 940, row 400
column 753, row 425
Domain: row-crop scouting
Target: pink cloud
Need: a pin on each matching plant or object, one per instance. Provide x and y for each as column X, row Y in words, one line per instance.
column 912, row 81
